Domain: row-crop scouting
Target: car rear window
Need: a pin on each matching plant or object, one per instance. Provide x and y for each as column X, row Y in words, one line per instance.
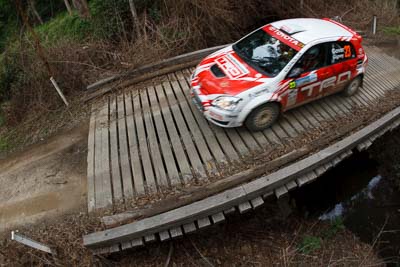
column 341, row 51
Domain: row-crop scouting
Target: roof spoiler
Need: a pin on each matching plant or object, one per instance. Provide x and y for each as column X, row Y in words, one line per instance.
column 354, row 33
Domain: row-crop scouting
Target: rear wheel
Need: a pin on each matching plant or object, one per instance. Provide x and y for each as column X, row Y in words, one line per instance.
column 262, row 117
column 352, row 87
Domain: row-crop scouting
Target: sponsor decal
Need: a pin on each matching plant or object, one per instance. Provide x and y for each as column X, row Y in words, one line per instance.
column 292, row 85
column 231, row 66
column 331, row 81
column 313, row 77
column 283, row 37
column 337, row 53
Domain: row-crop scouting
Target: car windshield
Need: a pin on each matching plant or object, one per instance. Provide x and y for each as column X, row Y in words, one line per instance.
column 264, row 53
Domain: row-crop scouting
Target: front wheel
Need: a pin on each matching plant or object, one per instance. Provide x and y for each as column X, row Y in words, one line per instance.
column 262, row 117
column 352, row 87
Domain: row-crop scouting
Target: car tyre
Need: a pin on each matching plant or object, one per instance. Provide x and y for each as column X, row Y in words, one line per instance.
column 352, row 87
column 263, row 117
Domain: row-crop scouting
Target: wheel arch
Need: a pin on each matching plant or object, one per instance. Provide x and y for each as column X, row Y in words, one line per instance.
column 256, row 104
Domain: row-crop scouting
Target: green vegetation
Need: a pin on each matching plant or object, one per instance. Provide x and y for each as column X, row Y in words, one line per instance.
column 395, row 30
column 336, row 225
column 64, row 27
column 310, row 244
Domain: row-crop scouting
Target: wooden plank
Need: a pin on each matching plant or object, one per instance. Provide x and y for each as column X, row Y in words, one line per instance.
column 318, row 108
column 320, row 170
column 115, row 170
column 260, row 139
column 136, row 164
column 91, row 162
column 103, row 180
column 126, row 245
column 257, row 202
column 302, row 180
column 248, row 139
column 218, row 218
column 291, row 185
column 123, row 148
column 176, row 232
column 226, row 144
column 310, row 117
column 148, row 172
column 164, row 235
column 163, row 139
column 302, row 120
column 203, row 222
column 236, row 141
column 272, row 137
column 312, row 176
column 174, row 138
column 294, row 122
column 267, row 195
column 98, row 167
column 230, row 211
column 184, row 132
column 276, row 127
column 280, row 191
column 244, row 207
column 326, row 105
column 195, row 131
column 203, row 125
column 189, row 228
column 138, row 242
column 114, row 248
column 150, row 238
column 315, row 113
column 283, row 122
column 153, row 142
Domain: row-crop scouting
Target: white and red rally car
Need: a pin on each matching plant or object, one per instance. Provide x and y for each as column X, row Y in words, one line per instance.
column 277, row 67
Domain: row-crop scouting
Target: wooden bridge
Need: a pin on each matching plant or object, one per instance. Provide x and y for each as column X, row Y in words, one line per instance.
column 149, row 140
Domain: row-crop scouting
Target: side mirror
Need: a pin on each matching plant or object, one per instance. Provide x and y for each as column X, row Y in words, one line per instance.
column 295, row 73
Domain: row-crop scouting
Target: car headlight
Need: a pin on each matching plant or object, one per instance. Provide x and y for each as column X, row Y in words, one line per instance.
column 226, row 102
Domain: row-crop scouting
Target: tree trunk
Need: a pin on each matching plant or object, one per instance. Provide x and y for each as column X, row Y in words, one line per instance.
column 35, row 12
column 68, row 6
column 135, row 17
column 82, row 7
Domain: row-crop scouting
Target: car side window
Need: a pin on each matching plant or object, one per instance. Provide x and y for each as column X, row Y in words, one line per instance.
column 340, row 51
column 313, row 59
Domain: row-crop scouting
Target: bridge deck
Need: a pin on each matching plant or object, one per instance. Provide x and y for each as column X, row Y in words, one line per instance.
column 142, row 142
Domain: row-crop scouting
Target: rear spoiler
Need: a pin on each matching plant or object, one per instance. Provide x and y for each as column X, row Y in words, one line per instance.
column 354, row 33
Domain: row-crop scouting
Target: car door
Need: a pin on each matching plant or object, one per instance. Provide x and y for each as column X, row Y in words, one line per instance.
column 309, row 76
column 342, row 56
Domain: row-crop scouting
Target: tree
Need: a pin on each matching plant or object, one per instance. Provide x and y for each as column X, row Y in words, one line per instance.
column 68, row 6
column 34, row 10
column 135, row 17
column 82, row 7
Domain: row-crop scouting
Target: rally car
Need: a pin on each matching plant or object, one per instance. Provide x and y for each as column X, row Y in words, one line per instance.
column 278, row 67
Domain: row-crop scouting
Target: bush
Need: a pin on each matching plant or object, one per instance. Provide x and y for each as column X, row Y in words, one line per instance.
column 64, row 27
column 310, row 244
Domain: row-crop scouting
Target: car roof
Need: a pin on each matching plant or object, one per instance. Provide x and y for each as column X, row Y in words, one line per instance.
column 307, row 30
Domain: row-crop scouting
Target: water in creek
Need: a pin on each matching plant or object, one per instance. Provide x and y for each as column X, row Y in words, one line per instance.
column 367, row 203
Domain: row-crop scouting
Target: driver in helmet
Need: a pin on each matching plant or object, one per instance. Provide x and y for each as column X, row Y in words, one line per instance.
column 311, row 59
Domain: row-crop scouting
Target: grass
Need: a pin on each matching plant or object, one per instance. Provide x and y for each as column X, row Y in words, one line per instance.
column 64, row 27
column 4, row 144
column 310, row 244
column 394, row 30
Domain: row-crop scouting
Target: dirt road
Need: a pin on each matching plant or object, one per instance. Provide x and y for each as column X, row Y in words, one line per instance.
column 47, row 179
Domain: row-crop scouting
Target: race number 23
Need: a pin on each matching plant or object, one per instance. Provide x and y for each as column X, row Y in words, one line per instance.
column 347, row 51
